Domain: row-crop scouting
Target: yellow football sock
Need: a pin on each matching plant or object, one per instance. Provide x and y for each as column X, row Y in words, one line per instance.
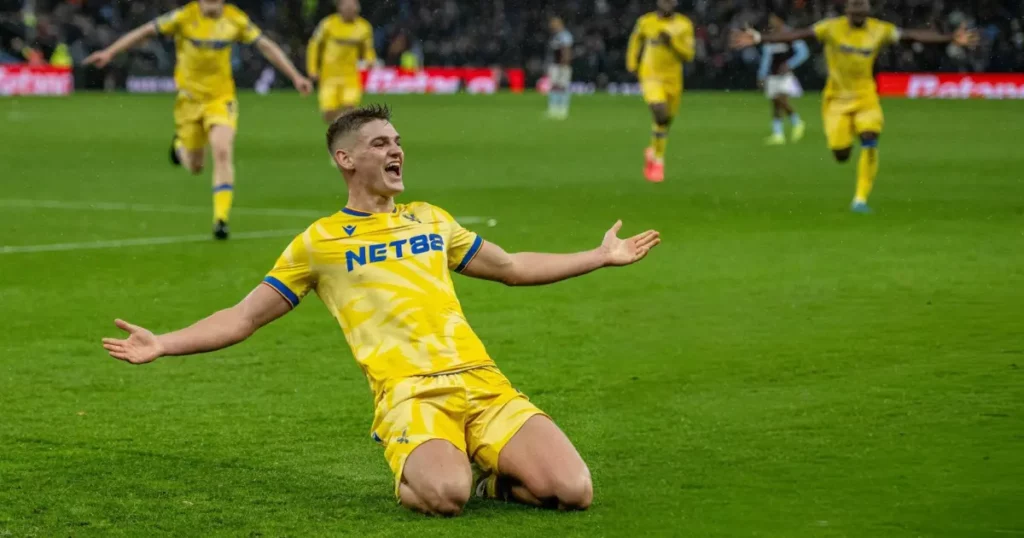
column 867, row 169
column 659, row 139
column 223, row 195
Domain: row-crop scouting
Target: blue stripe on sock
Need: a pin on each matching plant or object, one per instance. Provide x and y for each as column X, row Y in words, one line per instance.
column 219, row 188
column 869, row 143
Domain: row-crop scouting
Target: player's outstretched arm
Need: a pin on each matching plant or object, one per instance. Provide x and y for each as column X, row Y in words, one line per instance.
column 103, row 57
column 224, row 328
column 273, row 53
column 748, row 37
column 962, row 36
column 534, row 268
column 633, row 49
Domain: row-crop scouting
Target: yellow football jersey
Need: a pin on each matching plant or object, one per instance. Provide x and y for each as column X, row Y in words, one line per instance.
column 660, row 59
column 386, row 279
column 203, row 47
column 337, row 46
column 850, row 52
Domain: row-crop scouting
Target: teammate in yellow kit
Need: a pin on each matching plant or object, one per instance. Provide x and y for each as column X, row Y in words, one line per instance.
column 206, row 108
column 661, row 42
column 339, row 43
column 383, row 270
column 850, row 104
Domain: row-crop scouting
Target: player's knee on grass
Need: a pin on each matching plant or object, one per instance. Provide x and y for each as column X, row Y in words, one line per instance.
column 566, row 490
column 443, row 496
column 842, row 155
column 436, row 479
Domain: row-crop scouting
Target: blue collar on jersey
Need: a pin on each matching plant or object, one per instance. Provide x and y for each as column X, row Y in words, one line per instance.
column 357, row 213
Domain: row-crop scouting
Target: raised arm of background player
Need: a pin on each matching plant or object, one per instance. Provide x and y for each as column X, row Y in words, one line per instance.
column 263, row 305
column 270, row 50
column 749, row 37
column 633, row 50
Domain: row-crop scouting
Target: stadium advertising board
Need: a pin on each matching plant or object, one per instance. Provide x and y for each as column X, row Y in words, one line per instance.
column 441, row 80
column 24, row 79
column 952, row 85
column 391, row 80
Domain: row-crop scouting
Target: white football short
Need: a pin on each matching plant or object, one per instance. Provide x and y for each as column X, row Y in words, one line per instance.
column 787, row 84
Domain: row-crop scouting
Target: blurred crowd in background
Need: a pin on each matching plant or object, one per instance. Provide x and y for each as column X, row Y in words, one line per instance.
column 507, row 33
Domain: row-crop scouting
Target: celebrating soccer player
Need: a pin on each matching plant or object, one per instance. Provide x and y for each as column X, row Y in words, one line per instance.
column 206, row 108
column 383, row 270
column 850, row 105
column 778, row 60
column 559, row 69
column 341, row 41
column 661, row 42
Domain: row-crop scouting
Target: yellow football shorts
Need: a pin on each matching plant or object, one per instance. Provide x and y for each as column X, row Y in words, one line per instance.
column 845, row 119
column 476, row 410
column 194, row 118
column 659, row 91
column 340, row 92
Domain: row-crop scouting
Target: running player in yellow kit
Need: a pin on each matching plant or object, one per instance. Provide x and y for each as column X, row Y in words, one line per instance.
column 206, row 108
column 383, row 270
column 339, row 43
column 850, row 104
column 661, row 42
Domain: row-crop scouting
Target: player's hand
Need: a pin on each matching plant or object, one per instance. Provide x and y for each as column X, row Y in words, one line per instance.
column 99, row 58
column 302, row 84
column 966, row 38
column 760, row 83
column 741, row 39
column 140, row 347
column 626, row 251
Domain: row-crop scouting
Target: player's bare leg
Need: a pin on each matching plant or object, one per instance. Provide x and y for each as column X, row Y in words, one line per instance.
column 222, row 143
column 436, row 480
column 540, row 466
column 192, row 160
column 778, row 136
column 795, row 123
column 867, row 170
column 654, row 156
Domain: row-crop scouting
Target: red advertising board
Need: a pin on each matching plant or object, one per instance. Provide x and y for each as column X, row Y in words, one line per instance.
column 441, row 80
column 952, row 85
column 24, row 79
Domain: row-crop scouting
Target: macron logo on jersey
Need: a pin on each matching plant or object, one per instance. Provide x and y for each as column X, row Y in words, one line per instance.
column 399, row 249
column 349, row 230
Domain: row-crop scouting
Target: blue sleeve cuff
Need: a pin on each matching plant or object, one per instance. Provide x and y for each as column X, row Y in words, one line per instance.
column 470, row 254
column 800, row 54
column 285, row 292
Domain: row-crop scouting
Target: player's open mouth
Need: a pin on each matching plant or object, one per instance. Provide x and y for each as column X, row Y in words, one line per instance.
column 394, row 169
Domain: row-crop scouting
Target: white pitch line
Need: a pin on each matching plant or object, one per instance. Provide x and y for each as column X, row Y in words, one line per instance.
column 151, row 208
column 139, row 242
column 154, row 208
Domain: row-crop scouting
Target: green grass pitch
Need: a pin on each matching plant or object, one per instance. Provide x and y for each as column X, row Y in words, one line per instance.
column 778, row 367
